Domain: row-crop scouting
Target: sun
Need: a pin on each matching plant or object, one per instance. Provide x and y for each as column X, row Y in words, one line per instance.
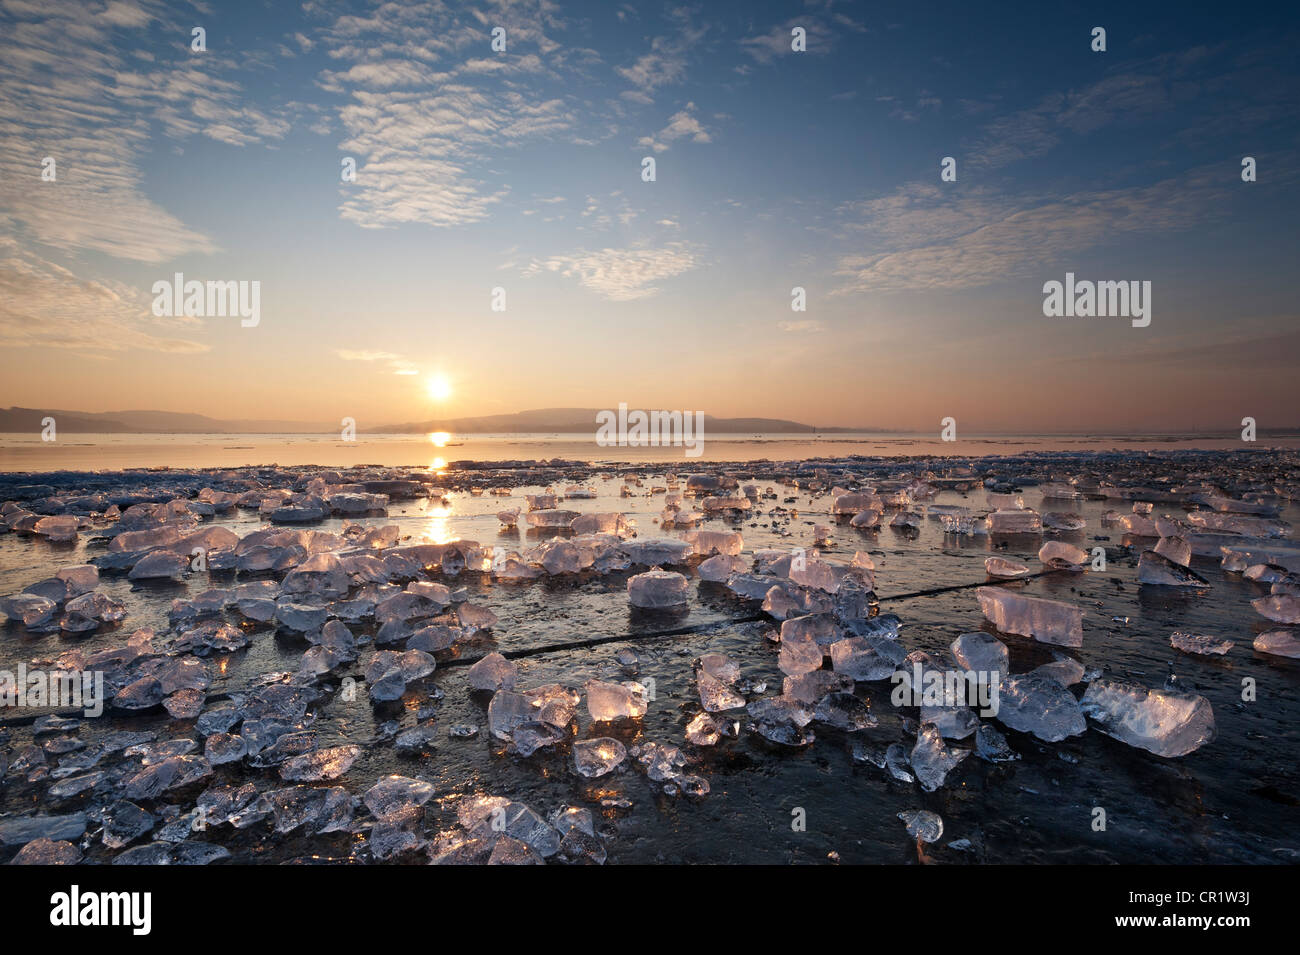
column 439, row 388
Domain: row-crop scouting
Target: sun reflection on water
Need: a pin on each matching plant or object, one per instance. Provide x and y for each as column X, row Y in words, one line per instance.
column 438, row 529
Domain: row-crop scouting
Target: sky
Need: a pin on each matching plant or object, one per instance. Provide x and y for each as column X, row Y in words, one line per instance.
column 522, row 170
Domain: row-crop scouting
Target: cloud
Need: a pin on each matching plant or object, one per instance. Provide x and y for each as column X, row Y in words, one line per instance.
column 603, row 213
column 682, row 124
column 399, row 364
column 665, row 63
column 621, row 275
column 807, row 325
column 932, row 239
column 123, row 14
column 85, row 90
column 766, row 47
column 1136, row 94
column 427, row 105
column 43, row 304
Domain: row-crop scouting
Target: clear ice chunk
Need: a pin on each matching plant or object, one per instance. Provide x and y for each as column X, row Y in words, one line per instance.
column 932, row 759
column 657, row 589
column 493, row 672
column 922, row 824
column 1167, row 723
column 1047, row 621
column 1199, row 643
column 1280, row 643
column 1030, row 703
column 1158, row 570
column 615, row 701
column 598, row 757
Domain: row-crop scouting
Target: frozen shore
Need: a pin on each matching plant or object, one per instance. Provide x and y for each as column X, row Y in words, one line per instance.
column 556, row 661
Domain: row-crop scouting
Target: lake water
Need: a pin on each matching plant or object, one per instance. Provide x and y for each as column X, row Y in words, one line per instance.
column 27, row 452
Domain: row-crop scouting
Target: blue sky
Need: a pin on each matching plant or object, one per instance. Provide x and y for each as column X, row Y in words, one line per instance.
column 775, row 169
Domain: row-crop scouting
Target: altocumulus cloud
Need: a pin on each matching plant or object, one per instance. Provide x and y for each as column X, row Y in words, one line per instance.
column 621, row 275
column 424, row 105
column 44, row 304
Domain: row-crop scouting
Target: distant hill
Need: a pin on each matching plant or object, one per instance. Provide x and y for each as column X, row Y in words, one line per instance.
column 148, row 422
column 581, row 420
column 539, row 421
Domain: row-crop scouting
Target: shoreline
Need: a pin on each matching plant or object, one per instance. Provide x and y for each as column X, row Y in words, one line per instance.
column 164, row 452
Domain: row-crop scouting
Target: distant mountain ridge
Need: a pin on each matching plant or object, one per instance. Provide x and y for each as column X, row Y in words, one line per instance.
column 537, row 421
column 147, row 422
column 580, row 420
